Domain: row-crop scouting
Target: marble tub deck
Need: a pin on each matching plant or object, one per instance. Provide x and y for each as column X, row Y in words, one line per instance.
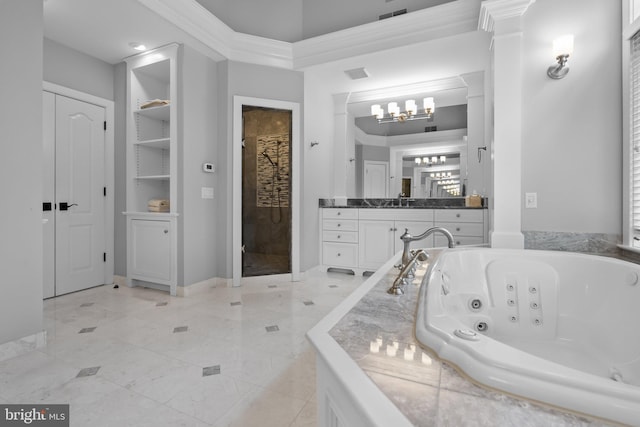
column 378, row 334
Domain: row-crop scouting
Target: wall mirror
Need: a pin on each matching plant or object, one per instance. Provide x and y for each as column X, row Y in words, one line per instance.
column 439, row 142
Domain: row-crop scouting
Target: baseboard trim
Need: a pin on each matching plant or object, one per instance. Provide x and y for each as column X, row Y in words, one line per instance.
column 22, row 345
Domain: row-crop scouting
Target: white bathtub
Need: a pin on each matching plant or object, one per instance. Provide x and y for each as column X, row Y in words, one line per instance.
column 555, row 327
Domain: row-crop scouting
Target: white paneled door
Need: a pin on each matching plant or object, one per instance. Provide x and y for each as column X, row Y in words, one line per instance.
column 78, row 207
column 376, row 179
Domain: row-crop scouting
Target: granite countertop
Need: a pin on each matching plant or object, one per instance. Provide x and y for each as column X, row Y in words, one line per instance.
column 378, row 334
column 407, row 203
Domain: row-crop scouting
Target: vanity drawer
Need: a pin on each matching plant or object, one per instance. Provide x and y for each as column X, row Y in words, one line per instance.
column 340, row 224
column 441, row 241
column 340, row 236
column 340, row 254
column 463, row 228
column 339, row 213
column 459, row 215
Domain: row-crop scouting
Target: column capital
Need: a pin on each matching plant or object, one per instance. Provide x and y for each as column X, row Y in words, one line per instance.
column 492, row 11
column 340, row 101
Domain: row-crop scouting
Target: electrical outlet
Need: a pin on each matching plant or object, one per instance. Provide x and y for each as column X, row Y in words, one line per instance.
column 531, row 200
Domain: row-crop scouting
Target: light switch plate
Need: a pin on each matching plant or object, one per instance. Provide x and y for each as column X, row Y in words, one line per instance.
column 531, row 200
column 207, row 192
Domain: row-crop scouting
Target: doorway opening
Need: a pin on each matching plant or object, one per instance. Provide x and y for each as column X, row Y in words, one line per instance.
column 266, row 191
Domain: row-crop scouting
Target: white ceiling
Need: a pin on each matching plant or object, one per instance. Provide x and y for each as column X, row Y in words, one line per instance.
column 104, row 29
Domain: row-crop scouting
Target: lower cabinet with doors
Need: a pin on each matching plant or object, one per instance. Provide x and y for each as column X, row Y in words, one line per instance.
column 380, row 231
column 152, row 261
column 363, row 239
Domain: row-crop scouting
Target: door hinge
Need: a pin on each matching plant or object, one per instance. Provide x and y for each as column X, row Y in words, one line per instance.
column 105, row 125
column 104, row 191
column 104, row 257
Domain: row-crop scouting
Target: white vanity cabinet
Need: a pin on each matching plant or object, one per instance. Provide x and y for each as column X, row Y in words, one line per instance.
column 380, row 231
column 363, row 239
column 339, row 230
column 152, row 168
column 468, row 226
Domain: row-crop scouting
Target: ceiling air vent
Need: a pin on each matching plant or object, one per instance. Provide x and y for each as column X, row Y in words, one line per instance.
column 357, row 73
column 390, row 14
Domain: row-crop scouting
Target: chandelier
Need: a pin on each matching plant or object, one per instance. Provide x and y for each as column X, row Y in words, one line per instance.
column 411, row 111
column 428, row 161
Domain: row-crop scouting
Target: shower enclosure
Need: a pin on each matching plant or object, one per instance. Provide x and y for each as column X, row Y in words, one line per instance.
column 266, row 191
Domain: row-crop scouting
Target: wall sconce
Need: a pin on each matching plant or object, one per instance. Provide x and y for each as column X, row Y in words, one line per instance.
column 562, row 49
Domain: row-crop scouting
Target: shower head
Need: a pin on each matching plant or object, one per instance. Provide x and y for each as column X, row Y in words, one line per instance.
column 264, row 153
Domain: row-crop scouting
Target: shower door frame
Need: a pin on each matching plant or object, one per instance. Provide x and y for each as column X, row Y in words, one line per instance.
column 236, row 220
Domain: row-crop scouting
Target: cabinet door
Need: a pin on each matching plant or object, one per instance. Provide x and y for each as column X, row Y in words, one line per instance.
column 151, row 250
column 415, row 228
column 375, row 243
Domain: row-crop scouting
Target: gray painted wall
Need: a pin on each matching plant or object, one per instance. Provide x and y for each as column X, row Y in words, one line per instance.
column 120, row 200
column 198, row 144
column 20, row 174
column 572, row 128
column 76, row 70
column 239, row 78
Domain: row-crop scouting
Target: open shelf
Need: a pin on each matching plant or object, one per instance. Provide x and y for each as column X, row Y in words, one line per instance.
column 156, row 113
column 161, row 143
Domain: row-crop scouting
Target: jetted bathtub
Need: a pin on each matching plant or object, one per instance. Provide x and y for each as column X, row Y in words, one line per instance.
column 556, row 327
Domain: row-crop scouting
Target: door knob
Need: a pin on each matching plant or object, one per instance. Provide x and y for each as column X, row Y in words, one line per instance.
column 65, row 206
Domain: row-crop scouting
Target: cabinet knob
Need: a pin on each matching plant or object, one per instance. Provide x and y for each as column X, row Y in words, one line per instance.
column 166, row 231
column 338, row 253
column 339, row 213
column 391, row 229
column 457, row 215
column 457, row 228
column 339, row 224
column 339, row 236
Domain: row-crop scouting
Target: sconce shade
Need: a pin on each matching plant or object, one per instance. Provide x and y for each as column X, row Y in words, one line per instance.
column 563, row 46
column 410, row 106
column 394, row 110
column 428, row 104
column 562, row 49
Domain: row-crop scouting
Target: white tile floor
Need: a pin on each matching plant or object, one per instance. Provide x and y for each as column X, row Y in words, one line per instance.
column 226, row 357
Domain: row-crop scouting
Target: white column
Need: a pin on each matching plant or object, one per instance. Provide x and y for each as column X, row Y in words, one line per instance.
column 340, row 147
column 504, row 19
column 477, row 179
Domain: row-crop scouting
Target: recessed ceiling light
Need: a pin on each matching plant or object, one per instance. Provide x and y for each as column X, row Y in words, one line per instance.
column 138, row 46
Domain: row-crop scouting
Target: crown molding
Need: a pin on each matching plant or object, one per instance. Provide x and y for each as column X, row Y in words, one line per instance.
column 499, row 10
column 198, row 22
column 408, row 89
column 448, row 19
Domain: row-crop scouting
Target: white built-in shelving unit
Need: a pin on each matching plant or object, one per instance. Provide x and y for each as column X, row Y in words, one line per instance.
column 152, row 159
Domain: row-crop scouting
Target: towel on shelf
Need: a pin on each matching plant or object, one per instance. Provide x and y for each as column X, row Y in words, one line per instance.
column 158, row 205
column 154, row 103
